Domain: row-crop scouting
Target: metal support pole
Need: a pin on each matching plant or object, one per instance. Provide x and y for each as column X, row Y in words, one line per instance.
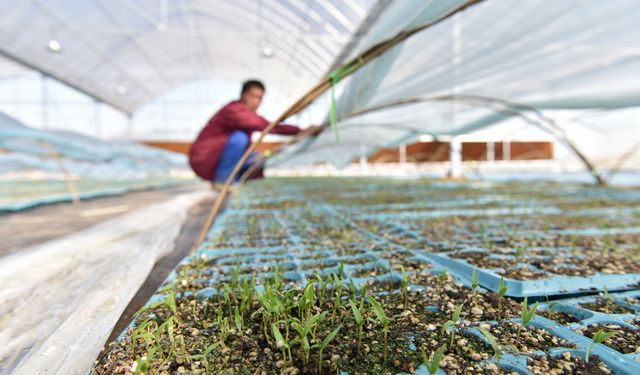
column 403, row 153
column 506, row 150
column 455, row 158
column 491, row 151
column 363, row 158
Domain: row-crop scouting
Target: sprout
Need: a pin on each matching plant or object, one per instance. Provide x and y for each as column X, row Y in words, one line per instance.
column 337, row 283
column 474, row 279
column 489, row 245
column 238, row 319
column 497, row 348
column 357, row 315
column 527, row 314
column 405, row 287
column 382, row 318
column 323, row 344
column 281, row 343
column 450, row 325
column 608, row 304
column 474, row 283
column 434, row 365
column 519, row 254
column 502, row 290
column 203, row 357
column 598, row 338
column 442, row 278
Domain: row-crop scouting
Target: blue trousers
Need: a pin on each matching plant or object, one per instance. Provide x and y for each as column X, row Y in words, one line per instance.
column 233, row 150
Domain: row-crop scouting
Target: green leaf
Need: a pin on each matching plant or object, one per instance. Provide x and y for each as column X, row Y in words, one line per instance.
column 278, row 336
column 330, row 336
column 491, row 339
column 528, row 313
column 377, row 309
column 502, row 288
column 437, row 358
column 356, row 313
column 169, row 324
column 443, row 275
column 171, row 302
column 602, row 336
column 148, row 307
column 474, row 279
column 448, row 324
column 456, row 314
column 206, row 353
column 238, row 319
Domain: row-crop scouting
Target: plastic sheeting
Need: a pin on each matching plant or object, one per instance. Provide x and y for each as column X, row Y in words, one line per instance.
column 128, row 52
column 60, row 300
column 82, row 156
column 561, row 55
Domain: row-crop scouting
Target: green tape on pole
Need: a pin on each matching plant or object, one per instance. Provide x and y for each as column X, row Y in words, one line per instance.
column 336, row 76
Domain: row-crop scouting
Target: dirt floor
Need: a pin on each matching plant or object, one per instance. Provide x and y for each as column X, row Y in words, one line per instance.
column 40, row 224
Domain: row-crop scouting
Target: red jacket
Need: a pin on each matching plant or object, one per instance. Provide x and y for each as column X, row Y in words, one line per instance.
column 207, row 148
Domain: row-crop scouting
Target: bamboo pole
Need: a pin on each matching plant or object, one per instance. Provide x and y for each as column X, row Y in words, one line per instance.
column 357, row 62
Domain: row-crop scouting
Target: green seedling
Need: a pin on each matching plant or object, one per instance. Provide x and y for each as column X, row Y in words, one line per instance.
column 433, row 365
column 169, row 302
column 608, row 304
column 353, row 290
column 600, row 337
column 382, row 318
column 237, row 318
column 322, row 345
column 235, row 275
column 519, row 254
column 526, row 315
column 224, row 332
column 502, row 290
column 474, row 284
column 357, row 315
column 442, row 278
column 204, row 356
column 322, row 287
column 281, row 343
column 307, row 301
column 337, row 284
column 303, row 329
column 450, row 325
column 142, row 332
column 274, row 229
column 497, row 348
column 488, row 244
column 405, row 287
column 145, row 365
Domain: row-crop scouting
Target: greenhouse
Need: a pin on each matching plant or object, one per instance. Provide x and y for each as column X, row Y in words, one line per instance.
column 436, row 187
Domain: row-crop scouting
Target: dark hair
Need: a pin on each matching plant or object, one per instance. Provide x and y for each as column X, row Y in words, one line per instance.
column 250, row 84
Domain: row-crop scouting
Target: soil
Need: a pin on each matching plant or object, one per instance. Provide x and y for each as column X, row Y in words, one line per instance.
column 523, row 274
column 602, row 306
column 558, row 316
column 566, row 364
column 626, row 341
column 530, row 338
column 417, row 308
